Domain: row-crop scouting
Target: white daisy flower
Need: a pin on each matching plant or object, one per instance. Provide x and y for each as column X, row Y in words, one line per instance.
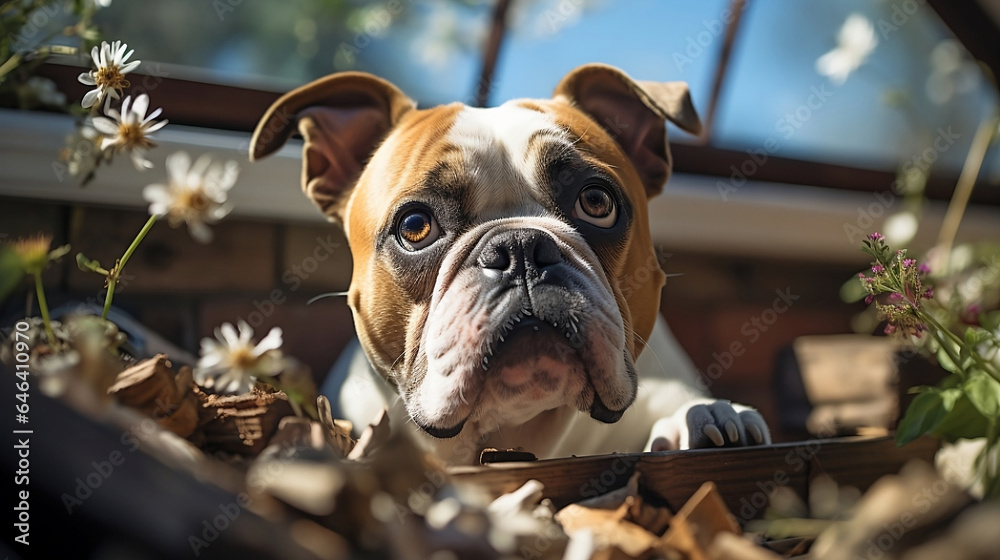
column 82, row 153
column 952, row 72
column 127, row 131
column 233, row 362
column 196, row 194
column 44, row 92
column 855, row 41
column 109, row 77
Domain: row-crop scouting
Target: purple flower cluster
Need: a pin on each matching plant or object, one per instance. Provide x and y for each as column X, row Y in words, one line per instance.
column 900, row 280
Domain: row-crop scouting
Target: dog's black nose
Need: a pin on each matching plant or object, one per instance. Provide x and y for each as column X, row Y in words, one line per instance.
column 518, row 251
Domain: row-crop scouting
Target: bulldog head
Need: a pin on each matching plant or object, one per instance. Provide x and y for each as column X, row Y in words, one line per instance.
column 488, row 244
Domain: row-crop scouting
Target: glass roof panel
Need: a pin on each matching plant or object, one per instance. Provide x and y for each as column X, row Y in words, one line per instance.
column 430, row 48
column 663, row 40
column 855, row 82
column 896, row 83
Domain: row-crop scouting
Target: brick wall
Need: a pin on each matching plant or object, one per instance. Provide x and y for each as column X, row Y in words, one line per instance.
column 262, row 272
column 265, row 272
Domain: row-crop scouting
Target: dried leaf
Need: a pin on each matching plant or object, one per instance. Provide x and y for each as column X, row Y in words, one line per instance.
column 524, row 499
column 337, row 431
column 607, row 528
column 374, row 436
column 697, row 524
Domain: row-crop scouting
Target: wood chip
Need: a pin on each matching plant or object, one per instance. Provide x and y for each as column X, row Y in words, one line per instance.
column 242, row 424
column 152, row 387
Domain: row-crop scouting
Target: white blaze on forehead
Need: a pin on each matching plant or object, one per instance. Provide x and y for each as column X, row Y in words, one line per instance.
column 500, row 158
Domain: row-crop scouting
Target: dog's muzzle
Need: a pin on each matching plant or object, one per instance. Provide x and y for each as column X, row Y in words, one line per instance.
column 511, row 257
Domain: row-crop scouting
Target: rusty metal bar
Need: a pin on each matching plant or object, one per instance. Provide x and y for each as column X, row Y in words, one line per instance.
column 736, row 9
column 491, row 51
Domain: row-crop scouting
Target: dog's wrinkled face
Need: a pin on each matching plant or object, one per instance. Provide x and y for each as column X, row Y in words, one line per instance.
column 489, row 244
column 505, row 239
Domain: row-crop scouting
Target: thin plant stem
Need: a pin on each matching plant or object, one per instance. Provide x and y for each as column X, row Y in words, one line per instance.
column 945, row 344
column 43, row 306
column 138, row 239
column 9, row 65
column 980, row 361
column 963, row 188
column 107, row 298
column 15, row 60
column 120, row 265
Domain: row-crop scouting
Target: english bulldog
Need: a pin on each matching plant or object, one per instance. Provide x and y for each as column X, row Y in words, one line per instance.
column 505, row 288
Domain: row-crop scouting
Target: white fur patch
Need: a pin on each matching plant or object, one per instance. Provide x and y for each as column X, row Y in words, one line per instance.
column 496, row 145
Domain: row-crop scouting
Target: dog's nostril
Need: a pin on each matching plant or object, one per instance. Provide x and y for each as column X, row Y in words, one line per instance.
column 495, row 257
column 545, row 252
column 520, row 250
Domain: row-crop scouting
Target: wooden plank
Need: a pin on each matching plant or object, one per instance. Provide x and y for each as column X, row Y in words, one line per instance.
column 566, row 480
column 744, row 476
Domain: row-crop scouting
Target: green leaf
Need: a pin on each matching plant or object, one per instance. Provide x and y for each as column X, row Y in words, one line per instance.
column 963, row 421
column 975, row 336
column 852, row 291
column 951, row 381
column 946, row 362
column 924, row 414
column 89, row 265
column 11, row 271
column 990, row 320
column 991, row 487
column 984, row 393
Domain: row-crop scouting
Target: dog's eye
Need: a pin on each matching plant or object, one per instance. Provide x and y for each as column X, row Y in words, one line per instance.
column 417, row 229
column 596, row 206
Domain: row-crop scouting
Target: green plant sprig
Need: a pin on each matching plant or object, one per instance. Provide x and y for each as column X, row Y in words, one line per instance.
column 966, row 403
column 31, row 256
column 113, row 275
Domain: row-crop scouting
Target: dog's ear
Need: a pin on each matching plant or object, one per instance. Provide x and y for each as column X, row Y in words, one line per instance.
column 633, row 113
column 342, row 118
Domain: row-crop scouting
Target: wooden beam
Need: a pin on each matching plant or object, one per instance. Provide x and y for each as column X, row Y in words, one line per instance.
column 974, row 27
column 225, row 107
column 744, row 476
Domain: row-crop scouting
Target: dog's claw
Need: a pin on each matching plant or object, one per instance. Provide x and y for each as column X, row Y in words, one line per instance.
column 755, row 433
column 713, row 433
column 733, row 431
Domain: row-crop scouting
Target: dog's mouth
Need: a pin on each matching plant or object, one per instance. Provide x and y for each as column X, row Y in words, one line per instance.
column 534, row 359
column 443, row 433
column 523, row 335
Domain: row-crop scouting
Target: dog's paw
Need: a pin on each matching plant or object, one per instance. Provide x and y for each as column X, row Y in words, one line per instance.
column 709, row 423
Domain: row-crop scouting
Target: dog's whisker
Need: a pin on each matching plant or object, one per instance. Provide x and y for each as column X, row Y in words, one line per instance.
column 326, row 295
column 393, row 365
column 649, row 348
